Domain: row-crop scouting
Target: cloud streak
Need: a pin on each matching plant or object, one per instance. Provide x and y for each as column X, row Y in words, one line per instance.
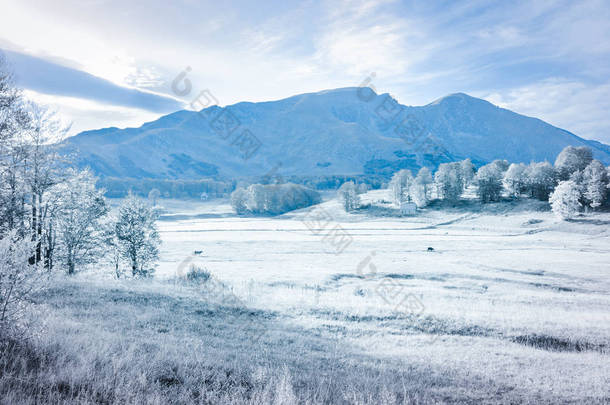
column 50, row 78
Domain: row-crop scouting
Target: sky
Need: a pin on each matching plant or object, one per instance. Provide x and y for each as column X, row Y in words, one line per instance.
column 103, row 63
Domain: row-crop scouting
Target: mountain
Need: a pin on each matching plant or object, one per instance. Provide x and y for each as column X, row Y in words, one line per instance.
column 342, row 131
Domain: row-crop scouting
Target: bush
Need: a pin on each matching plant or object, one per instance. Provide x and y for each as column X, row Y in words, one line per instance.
column 18, row 280
column 197, row 275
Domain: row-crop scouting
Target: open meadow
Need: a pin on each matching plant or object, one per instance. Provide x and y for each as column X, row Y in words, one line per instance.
column 510, row 305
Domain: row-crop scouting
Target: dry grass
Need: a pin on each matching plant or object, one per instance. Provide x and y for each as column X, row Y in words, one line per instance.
column 135, row 344
column 151, row 342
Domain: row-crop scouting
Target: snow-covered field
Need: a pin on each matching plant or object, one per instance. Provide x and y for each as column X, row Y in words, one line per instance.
column 508, row 295
column 319, row 306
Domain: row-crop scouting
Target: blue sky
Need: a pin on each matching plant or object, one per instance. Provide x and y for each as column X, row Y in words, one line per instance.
column 111, row 63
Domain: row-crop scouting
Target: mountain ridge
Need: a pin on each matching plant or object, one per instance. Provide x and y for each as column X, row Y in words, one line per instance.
column 343, row 131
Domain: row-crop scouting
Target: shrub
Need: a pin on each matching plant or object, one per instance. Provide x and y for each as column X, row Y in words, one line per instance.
column 197, row 275
column 18, row 279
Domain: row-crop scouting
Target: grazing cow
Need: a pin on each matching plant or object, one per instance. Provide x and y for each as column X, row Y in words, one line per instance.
column 430, row 249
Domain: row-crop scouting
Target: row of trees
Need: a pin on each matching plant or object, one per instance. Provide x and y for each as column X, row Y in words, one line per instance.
column 168, row 188
column 575, row 181
column 449, row 182
column 272, row 199
column 583, row 182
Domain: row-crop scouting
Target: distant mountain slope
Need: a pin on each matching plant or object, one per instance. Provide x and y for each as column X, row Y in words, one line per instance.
column 342, row 131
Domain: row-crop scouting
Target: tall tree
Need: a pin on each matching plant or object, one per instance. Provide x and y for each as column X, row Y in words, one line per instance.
column 43, row 168
column 595, row 184
column 468, row 171
column 137, row 235
column 515, row 179
column 420, row 190
column 13, row 121
column 79, row 219
column 348, row 195
column 489, row 182
column 449, row 181
column 400, row 185
column 541, row 180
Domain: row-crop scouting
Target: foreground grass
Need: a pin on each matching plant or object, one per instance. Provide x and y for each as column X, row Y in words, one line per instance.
column 139, row 342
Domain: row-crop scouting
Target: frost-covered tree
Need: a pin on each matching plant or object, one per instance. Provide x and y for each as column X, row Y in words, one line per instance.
column 542, row 179
column 489, row 182
column 449, row 181
column 29, row 166
column 515, row 179
column 420, row 191
column 468, row 171
column 348, row 196
column 502, row 165
column 565, row 200
column 153, row 196
column 400, row 186
column 572, row 159
column 137, row 235
column 14, row 120
column 424, row 176
column 418, row 195
column 594, row 184
column 256, row 199
column 43, row 170
column 77, row 220
column 239, row 200
column 362, row 188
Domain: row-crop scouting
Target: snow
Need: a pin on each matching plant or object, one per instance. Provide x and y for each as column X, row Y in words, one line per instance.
column 510, row 267
column 510, row 296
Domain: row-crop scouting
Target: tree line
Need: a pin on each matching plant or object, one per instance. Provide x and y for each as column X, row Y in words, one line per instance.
column 575, row 182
